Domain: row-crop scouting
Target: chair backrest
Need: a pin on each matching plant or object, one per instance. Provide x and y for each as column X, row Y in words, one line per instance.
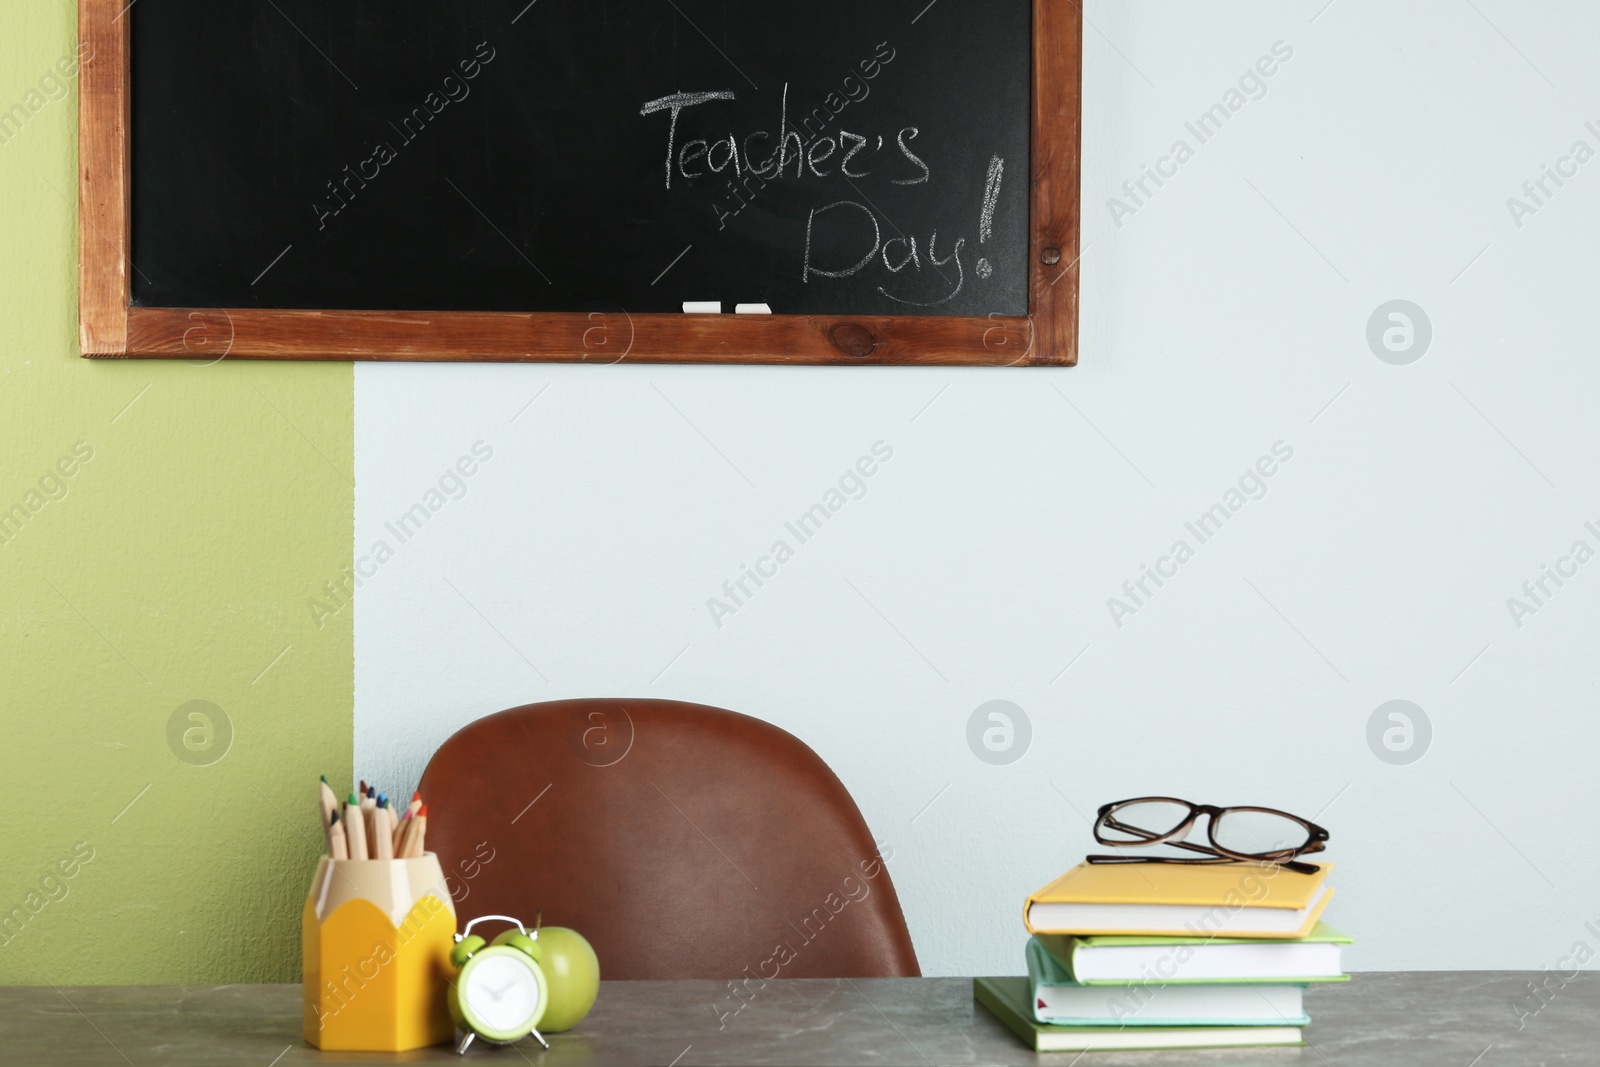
column 683, row 841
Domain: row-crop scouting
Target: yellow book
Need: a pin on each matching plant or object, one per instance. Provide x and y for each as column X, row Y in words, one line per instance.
column 1180, row 900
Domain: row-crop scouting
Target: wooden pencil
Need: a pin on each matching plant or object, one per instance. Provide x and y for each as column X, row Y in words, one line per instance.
column 382, row 840
column 419, row 833
column 355, row 828
column 327, row 803
column 338, row 847
column 416, row 803
column 369, row 813
column 400, row 830
column 408, row 830
column 383, row 824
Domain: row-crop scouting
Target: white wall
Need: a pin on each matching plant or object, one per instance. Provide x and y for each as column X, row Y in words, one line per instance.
column 1226, row 314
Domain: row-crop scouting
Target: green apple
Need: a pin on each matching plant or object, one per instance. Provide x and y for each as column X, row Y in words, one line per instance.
column 572, row 971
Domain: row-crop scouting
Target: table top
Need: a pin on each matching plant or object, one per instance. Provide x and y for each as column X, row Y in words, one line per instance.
column 1454, row 1018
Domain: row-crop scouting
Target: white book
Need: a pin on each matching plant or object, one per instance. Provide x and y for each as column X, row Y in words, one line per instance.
column 1058, row 1000
column 1007, row 999
column 1173, row 1037
column 1169, row 1005
column 1097, row 960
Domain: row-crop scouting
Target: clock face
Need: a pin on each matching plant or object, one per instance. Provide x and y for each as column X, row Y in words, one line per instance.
column 503, row 992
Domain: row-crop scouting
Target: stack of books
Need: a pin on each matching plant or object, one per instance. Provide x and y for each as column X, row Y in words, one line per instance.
column 1161, row 955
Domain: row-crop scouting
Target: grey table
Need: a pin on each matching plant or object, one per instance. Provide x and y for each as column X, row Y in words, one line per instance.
column 1455, row 1019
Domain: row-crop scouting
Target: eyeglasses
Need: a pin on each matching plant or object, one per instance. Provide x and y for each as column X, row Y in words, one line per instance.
column 1261, row 835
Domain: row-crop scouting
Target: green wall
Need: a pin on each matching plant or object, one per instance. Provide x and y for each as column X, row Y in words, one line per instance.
column 172, row 565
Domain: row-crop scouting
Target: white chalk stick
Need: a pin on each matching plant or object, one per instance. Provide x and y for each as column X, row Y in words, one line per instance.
column 752, row 309
column 702, row 307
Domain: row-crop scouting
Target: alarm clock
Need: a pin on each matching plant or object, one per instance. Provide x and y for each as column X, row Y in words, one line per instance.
column 499, row 992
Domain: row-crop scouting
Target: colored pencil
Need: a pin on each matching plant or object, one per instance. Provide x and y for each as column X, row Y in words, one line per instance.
column 407, row 831
column 383, row 821
column 419, row 834
column 382, row 840
column 355, row 828
column 338, row 847
column 368, row 826
column 327, row 803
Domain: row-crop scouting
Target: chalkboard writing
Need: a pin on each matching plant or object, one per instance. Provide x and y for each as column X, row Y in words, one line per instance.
column 832, row 157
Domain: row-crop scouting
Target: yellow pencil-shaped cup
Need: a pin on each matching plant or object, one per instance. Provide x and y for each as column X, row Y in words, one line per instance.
column 375, row 941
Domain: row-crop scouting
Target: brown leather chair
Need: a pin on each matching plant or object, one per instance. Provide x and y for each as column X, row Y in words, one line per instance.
column 683, row 841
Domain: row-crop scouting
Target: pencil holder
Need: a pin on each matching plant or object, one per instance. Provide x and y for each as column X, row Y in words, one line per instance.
column 376, row 938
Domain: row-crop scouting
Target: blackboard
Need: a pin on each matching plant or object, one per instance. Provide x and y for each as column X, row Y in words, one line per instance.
column 297, row 166
column 432, row 154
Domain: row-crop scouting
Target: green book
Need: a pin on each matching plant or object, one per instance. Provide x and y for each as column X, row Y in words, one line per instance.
column 1007, row 1000
column 1106, row 959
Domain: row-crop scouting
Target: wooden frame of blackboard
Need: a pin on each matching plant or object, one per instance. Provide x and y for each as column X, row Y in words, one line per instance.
column 110, row 326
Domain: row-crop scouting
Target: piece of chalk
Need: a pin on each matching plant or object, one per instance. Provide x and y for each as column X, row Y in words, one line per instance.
column 752, row 309
column 702, row 307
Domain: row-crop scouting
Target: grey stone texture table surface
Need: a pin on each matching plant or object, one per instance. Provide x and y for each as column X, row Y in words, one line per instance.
column 1395, row 1019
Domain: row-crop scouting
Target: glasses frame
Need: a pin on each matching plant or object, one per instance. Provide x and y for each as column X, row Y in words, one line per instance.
column 1316, row 836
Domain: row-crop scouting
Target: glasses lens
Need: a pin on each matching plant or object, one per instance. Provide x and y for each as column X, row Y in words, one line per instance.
column 1258, row 833
column 1141, row 820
